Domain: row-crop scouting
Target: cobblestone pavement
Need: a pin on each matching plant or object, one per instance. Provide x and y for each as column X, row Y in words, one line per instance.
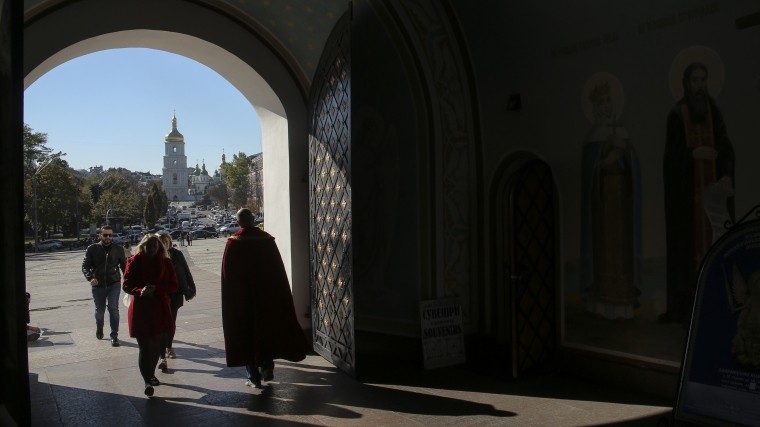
column 77, row 380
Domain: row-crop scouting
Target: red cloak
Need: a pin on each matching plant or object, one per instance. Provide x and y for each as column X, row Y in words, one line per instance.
column 150, row 315
column 258, row 315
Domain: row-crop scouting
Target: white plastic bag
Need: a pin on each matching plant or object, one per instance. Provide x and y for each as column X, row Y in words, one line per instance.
column 126, row 299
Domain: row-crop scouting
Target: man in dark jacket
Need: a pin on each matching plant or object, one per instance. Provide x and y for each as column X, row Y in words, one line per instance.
column 102, row 266
column 258, row 315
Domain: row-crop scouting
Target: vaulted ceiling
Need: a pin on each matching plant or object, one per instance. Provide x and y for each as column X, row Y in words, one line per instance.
column 297, row 29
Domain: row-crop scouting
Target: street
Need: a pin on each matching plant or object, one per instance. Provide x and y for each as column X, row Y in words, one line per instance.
column 76, row 379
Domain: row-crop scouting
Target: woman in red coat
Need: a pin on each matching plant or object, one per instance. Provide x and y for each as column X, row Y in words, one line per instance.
column 150, row 278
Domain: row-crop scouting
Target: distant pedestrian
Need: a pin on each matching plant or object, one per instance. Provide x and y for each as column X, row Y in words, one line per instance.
column 150, row 279
column 189, row 238
column 258, row 315
column 102, row 266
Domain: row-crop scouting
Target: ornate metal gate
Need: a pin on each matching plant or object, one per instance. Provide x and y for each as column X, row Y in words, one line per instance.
column 330, row 203
column 530, row 236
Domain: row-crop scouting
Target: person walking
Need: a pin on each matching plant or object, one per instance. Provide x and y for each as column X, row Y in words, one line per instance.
column 189, row 238
column 150, row 279
column 258, row 316
column 186, row 290
column 102, row 266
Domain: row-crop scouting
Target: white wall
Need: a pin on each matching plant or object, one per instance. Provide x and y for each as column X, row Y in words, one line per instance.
column 274, row 144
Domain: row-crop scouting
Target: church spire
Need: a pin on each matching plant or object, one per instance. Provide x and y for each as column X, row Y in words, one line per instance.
column 174, row 135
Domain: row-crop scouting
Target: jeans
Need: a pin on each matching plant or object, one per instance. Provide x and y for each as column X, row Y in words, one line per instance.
column 253, row 371
column 108, row 296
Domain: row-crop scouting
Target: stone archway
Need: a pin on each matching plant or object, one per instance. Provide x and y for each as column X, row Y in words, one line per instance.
column 231, row 49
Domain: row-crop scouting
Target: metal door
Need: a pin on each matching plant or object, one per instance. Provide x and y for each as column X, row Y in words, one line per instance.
column 330, row 203
column 530, row 239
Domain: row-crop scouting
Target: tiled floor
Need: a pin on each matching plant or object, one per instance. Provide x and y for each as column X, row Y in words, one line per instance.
column 77, row 380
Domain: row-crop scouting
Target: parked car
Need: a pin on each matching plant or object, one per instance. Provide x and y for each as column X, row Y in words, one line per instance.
column 229, row 228
column 203, row 234
column 175, row 234
column 49, row 245
column 120, row 238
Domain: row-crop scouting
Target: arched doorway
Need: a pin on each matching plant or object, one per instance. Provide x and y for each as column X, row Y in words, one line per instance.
column 209, row 35
column 523, row 320
column 236, row 53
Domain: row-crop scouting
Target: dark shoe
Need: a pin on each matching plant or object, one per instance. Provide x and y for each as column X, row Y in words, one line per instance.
column 154, row 382
column 254, row 384
column 267, row 374
column 163, row 366
column 99, row 333
column 114, row 342
column 148, row 390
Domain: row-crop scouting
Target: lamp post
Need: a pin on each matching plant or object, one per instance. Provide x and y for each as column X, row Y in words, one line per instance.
column 100, row 190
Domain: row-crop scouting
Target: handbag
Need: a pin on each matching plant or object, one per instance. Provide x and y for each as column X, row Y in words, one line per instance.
column 126, row 299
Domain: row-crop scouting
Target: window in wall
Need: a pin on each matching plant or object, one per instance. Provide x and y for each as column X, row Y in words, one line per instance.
column 174, row 179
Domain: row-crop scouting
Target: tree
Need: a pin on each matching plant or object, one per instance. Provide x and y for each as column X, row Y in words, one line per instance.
column 236, row 177
column 153, row 206
column 119, row 197
column 164, row 199
column 37, row 157
column 57, row 192
column 36, row 151
column 218, row 193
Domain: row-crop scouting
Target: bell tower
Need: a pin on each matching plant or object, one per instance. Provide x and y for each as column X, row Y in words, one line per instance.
column 175, row 165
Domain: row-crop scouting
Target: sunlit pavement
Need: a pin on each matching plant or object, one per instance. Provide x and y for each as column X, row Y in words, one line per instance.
column 78, row 380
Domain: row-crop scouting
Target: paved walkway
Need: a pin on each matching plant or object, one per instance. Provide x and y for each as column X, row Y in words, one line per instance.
column 77, row 380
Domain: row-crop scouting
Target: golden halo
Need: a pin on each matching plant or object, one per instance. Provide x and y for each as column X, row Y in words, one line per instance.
column 616, row 93
column 716, row 73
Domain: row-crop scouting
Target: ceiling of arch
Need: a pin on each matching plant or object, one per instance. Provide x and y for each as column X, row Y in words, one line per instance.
column 300, row 27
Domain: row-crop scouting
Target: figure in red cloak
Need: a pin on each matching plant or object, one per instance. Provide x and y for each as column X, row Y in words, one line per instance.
column 258, row 314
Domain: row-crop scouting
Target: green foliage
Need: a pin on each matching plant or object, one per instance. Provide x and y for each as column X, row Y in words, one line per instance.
column 218, row 192
column 153, row 206
column 57, row 193
column 236, row 177
column 121, row 198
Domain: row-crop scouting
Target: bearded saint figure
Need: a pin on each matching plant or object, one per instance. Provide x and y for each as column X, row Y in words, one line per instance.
column 698, row 163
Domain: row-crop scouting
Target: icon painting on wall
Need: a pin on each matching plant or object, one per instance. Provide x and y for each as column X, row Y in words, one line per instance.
column 611, row 204
column 698, row 173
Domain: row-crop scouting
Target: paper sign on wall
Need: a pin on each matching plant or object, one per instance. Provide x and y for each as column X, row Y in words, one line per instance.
column 442, row 334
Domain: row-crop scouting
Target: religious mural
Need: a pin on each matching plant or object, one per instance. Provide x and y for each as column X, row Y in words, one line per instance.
column 611, row 205
column 698, row 174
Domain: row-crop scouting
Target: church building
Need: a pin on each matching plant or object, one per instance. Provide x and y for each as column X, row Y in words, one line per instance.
column 175, row 165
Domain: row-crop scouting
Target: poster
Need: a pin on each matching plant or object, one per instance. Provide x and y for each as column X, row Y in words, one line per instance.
column 442, row 334
column 720, row 378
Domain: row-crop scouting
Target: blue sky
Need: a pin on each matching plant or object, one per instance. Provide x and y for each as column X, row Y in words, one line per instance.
column 114, row 107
